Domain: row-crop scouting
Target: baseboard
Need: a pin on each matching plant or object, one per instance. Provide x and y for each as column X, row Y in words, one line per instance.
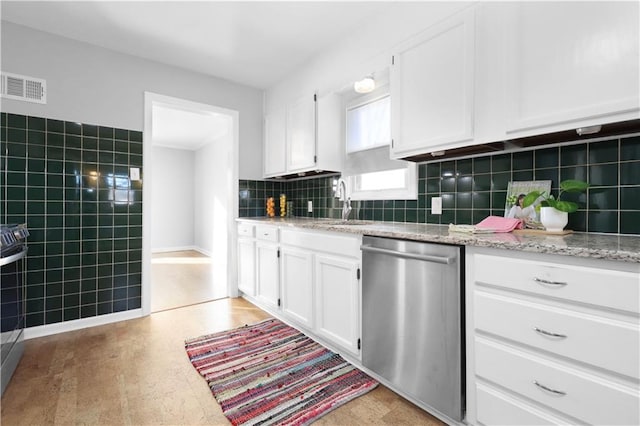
column 181, row 248
column 63, row 327
column 170, row 249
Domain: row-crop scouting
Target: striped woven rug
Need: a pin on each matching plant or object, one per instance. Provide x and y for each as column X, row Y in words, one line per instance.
column 269, row 373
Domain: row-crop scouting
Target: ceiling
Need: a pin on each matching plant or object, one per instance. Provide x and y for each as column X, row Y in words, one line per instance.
column 252, row 43
column 187, row 129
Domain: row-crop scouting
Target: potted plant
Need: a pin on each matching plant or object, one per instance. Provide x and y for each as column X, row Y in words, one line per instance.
column 554, row 212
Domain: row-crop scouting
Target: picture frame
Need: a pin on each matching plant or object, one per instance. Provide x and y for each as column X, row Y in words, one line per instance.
column 516, row 190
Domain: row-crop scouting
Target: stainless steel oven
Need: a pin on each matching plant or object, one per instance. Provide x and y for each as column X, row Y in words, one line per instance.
column 13, row 251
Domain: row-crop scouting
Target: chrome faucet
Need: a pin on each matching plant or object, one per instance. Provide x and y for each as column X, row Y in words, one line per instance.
column 346, row 201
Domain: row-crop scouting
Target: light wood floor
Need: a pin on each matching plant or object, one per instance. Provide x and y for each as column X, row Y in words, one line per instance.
column 182, row 278
column 137, row 373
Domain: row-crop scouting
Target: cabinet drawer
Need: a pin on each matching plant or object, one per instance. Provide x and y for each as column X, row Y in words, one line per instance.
column 334, row 243
column 586, row 397
column 606, row 343
column 595, row 286
column 267, row 233
column 496, row 408
column 245, row 230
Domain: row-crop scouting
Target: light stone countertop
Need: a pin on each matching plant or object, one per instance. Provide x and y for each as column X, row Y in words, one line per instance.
column 581, row 244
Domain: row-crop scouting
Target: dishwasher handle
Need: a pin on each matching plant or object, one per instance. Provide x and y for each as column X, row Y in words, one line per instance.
column 395, row 253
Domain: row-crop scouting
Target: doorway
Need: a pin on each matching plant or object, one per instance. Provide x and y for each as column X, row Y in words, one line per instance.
column 189, row 199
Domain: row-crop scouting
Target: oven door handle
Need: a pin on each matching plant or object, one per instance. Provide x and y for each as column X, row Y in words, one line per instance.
column 423, row 257
column 13, row 257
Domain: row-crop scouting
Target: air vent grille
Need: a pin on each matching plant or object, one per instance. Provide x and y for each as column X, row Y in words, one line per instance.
column 24, row 88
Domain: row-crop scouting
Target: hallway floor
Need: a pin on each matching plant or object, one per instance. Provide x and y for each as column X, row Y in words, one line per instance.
column 182, row 278
column 137, row 372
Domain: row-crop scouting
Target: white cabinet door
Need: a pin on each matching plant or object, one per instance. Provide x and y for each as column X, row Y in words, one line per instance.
column 267, row 274
column 301, row 134
column 337, row 301
column 432, row 89
column 275, row 143
column 568, row 62
column 247, row 266
column 297, row 285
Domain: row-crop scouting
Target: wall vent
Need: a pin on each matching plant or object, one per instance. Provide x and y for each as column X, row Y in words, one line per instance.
column 24, row 88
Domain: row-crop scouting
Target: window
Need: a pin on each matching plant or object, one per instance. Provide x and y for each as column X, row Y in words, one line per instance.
column 369, row 172
column 369, row 125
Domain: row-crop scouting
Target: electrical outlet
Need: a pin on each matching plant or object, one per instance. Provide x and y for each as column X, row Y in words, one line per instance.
column 134, row 173
column 436, row 205
column 309, row 206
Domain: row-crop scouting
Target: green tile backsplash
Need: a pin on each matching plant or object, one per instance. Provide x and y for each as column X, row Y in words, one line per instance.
column 474, row 188
column 69, row 182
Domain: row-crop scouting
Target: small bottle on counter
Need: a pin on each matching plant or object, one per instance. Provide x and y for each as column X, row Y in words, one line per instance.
column 271, row 207
column 283, row 205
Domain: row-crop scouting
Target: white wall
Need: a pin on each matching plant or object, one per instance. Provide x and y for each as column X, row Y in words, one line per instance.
column 368, row 49
column 172, row 226
column 93, row 85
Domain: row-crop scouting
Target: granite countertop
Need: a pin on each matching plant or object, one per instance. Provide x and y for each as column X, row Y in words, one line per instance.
column 581, row 244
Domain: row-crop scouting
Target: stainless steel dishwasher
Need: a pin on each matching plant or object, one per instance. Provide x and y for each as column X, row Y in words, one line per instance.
column 412, row 324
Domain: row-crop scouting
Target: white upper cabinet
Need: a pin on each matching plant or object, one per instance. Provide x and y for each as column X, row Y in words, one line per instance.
column 301, row 134
column 432, row 88
column 571, row 64
column 304, row 136
column 275, row 143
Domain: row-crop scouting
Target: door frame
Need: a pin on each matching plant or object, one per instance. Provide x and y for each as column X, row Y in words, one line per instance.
column 231, row 188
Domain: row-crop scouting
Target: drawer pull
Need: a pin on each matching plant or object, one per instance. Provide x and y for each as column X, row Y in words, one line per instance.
column 550, row 334
column 553, row 391
column 543, row 281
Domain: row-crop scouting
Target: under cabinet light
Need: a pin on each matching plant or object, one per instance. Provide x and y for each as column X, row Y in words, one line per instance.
column 365, row 85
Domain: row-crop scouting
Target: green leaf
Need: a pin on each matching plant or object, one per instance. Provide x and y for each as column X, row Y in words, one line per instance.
column 572, row 185
column 566, row 206
column 531, row 198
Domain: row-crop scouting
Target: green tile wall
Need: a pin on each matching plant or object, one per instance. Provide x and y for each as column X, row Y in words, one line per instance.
column 474, row 188
column 69, row 182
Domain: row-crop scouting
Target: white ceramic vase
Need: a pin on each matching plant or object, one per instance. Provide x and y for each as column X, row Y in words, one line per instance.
column 553, row 220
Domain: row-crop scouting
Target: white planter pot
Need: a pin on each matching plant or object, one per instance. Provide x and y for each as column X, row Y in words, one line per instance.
column 553, row 220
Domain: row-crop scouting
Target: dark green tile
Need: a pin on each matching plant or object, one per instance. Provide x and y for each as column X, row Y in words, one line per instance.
column 522, row 175
column 498, row 199
column 447, row 184
column 36, row 138
column 630, row 148
column 481, row 200
column 630, row 198
column 90, row 143
column 464, row 167
column 449, row 201
column 546, row 158
column 479, row 215
column 630, row 223
column 501, row 163
column 35, row 319
column 499, row 181
column 74, row 142
column 433, row 185
column 522, row 160
column 448, row 216
column 17, row 150
column 119, row 305
column 603, row 174
column 135, row 136
column 573, row 155
column 55, row 140
column 576, row 172
column 482, row 182
column 53, row 316
column 482, row 165
column 105, row 308
column 17, row 135
column 89, row 130
column 602, row 221
column 464, row 183
column 121, row 134
column 105, row 132
column 70, row 314
column 463, row 200
column 55, row 126
column 55, row 166
column 36, row 123
column 17, row 121
column 603, row 199
column 603, row 152
column 447, row 169
column 463, row 217
column 630, row 173
column 548, row 174
column 73, row 128
column 578, row 221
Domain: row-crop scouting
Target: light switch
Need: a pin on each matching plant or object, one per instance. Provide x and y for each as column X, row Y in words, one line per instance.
column 309, row 206
column 436, row 205
column 134, row 173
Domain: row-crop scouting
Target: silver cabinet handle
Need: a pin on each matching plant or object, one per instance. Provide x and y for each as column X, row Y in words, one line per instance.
column 543, row 281
column 553, row 391
column 550, row 334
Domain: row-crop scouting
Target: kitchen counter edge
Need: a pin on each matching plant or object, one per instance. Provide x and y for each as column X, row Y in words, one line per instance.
column 624, row 248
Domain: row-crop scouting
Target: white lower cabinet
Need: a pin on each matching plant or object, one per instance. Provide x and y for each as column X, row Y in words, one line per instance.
column 338, row 300
column 551, row 340
column 297, row 285
column 310, row 279
column 247, row 266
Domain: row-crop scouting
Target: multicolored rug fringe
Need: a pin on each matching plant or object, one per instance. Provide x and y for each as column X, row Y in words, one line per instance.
column 270, row 373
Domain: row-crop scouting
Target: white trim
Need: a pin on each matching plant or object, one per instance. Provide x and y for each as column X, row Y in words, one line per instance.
column 65, row 326
column 151, row 99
